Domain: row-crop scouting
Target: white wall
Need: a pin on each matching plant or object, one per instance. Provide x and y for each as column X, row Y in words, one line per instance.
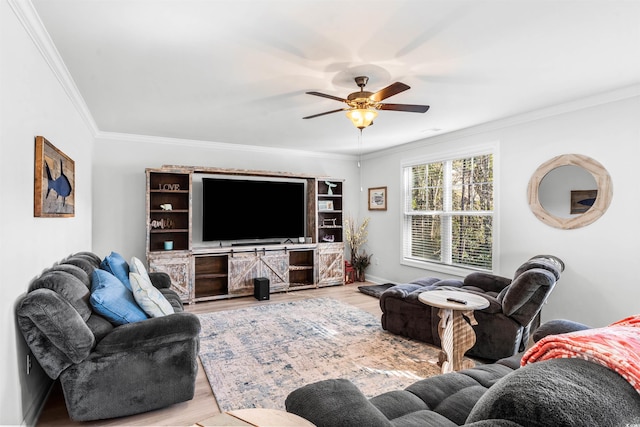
column 600, row 283
column 119, row 180
column 32, row 102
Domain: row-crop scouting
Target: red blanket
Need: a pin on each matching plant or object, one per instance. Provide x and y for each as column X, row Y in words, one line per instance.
column 616, row 346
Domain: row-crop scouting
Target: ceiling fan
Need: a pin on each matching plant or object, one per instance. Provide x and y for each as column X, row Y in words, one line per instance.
column 362, row 106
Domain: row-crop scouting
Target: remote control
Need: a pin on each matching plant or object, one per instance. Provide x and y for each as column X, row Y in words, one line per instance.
column 460, row 301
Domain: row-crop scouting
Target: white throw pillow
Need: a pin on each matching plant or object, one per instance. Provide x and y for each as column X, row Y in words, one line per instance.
column 138, row 267
column 148, row 297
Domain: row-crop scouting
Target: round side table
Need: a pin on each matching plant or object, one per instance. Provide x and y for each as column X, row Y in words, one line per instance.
column 456, row 335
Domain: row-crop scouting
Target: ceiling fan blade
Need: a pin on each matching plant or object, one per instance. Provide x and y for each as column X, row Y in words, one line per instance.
column 326, row 112
column 390, row 90
column 405, row 107
column 324, row 95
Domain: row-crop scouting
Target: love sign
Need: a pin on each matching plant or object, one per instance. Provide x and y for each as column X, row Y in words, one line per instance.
column 170, row 187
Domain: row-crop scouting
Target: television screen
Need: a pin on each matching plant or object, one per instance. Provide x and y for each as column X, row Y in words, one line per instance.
column 240, row 209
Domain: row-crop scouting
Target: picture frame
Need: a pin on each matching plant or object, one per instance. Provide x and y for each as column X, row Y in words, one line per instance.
column 54, row 181
column 378, row 199
column 582, row 200
column 325, row 205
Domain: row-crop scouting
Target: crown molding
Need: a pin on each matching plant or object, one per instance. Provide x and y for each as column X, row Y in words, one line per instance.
column 210, row 145
column 542, row 113
column 28, row 17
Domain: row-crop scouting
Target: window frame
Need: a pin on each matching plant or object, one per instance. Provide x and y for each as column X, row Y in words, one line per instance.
column 443, row 156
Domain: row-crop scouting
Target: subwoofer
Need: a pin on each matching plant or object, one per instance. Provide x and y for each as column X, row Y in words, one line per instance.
column 261, row 288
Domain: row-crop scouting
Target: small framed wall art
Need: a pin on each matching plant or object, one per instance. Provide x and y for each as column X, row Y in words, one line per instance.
column 378, row 199
column 582, row 200
column 325, row 205
column 54, row 181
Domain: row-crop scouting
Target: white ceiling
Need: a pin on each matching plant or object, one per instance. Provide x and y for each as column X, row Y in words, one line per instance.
column 236, row 71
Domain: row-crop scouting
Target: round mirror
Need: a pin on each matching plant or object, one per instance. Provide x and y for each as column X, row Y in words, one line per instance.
column 569, row 191
column 567, row 180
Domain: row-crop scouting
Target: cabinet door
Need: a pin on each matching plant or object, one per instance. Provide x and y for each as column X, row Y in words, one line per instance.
column 178, row 267
column 275, row 267
column 243, row 268
column 330, row 264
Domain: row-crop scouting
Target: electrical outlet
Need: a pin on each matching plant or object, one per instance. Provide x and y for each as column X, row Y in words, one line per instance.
column 28, row 364
column 376, row 261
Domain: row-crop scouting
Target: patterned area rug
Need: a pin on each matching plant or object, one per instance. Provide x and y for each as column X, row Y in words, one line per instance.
column 254, row 357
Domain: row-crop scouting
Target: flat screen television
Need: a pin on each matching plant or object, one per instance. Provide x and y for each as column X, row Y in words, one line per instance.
column 245, row 211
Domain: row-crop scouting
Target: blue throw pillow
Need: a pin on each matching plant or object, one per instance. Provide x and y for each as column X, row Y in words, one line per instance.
column 112, row 300
column 115, row 264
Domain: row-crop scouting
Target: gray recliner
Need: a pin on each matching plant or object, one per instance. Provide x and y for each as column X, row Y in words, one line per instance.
column 107, row 371
column 503, row 327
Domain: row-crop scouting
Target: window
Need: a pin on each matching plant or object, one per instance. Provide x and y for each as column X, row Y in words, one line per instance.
column 448, row 212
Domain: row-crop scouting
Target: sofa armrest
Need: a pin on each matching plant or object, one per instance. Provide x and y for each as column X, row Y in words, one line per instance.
column 160, row 279
column 487, row 282
column 55, row 332
column 556, row 327
column 335, row 402
column 151, row 333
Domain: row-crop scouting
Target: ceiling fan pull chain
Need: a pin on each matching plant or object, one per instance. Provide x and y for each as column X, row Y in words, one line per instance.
column 360, row 158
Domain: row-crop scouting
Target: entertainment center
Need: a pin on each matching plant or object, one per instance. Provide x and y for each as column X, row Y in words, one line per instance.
column 215, row 230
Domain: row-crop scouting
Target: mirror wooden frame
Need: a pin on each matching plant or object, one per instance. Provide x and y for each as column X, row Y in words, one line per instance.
column 602, row 202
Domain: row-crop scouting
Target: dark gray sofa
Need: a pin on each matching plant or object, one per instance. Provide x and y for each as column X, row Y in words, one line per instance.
column 556, row 392
column 503, row 328
column 107, row 371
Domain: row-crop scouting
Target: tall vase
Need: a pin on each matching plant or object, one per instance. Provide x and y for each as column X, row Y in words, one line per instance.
column 360, row 275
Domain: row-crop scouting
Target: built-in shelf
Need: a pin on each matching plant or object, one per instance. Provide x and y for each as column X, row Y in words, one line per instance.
column 203, row 274
column 330, row 218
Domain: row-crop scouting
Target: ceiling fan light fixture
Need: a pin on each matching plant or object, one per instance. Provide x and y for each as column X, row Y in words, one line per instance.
column 362, row 117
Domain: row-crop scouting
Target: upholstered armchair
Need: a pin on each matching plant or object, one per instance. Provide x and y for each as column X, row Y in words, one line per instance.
column 503, row 328
column 107, row 370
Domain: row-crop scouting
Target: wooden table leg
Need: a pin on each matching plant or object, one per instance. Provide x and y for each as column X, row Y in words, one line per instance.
column 445, row 330
column 464, row 339
column 456, row 337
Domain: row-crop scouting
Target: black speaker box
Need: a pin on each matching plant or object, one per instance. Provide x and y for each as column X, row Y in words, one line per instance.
column 261, row 288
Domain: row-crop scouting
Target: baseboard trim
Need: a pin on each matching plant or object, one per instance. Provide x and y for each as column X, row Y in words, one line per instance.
column 33, row 413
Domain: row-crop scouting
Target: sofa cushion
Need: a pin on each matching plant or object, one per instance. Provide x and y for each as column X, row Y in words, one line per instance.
column 422, row 419
column 99, row 326
column 335, row 396
column 83, row 263
column 149, row 298
column 111, row 299
column 545, row 262
column 523, row 288
column 557, row 326
column 486, row 281
column 89, row 256
column 454, row 395
column 115, row 264
column 75, row 271
column 68, row 286
column 560, row 392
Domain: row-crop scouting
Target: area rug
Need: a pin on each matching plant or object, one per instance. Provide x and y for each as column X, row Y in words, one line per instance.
column 375, row 290
column 254, row 357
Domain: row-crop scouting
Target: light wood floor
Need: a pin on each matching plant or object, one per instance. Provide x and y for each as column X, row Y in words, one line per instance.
column 203, row 405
